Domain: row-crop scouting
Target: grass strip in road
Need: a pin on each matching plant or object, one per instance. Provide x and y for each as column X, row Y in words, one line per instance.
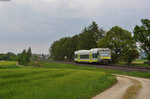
column 132, row 91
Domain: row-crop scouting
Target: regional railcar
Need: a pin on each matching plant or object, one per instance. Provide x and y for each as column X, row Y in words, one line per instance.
column 95, row 55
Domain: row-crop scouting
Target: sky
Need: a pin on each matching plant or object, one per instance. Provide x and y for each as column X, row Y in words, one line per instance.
column 37, row 23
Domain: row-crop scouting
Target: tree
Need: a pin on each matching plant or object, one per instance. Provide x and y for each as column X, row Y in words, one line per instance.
column 130, row 55
column 120, row 42
column 65, row 47
column 52, row 50
column 21, row 57
column 24, row 57
column 90, row 36
column 9, row 56
column 28, row 55
column 70, row 47
column 142, row 36
column 58, row 49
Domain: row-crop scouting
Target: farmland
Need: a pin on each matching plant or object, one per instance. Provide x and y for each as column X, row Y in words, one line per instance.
column 53, row 83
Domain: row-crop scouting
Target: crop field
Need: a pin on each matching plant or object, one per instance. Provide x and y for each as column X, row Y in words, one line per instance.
column 8, row 64
column 140, row 60
column 51, row 83
column 71, row 66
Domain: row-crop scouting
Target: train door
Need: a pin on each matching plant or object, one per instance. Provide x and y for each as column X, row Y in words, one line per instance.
column 78, row 57
column 90, row 57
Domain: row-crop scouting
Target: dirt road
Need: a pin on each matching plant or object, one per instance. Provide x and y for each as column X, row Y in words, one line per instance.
column 127, row 87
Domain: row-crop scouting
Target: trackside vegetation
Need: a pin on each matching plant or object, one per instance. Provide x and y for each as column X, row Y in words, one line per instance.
column 70, row 66
column 52, row 83
column 142, row 35
column 123, row 43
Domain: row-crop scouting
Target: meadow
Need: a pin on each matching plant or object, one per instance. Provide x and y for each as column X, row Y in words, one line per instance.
column 8, row 64
column 71, row 66
column 48, row 81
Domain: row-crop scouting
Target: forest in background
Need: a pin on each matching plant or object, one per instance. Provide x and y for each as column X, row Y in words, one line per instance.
column 123, row 44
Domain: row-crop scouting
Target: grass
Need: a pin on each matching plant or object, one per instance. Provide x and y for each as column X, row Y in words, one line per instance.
column 4, row 63
column 44, row 80
column 52, row 82
column 70, row 66
column 8, row 64
column 140, row 64
column 140, row 60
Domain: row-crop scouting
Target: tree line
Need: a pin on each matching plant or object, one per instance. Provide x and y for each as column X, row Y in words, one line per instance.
column 64, row 48
column 23, row 58
column 121, row 42
column 8, row 56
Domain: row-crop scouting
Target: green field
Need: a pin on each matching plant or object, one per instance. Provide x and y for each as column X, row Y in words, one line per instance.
column 70, row 66
column 140, row 60
column 6, row 64
column 43, row 80
column 51, row 83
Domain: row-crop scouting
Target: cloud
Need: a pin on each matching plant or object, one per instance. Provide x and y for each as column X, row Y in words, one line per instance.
column 30, row 22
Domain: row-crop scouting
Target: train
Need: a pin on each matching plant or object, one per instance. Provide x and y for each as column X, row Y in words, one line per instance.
column 94, row 55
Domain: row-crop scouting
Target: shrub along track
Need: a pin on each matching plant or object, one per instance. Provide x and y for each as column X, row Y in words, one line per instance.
column 111, row 66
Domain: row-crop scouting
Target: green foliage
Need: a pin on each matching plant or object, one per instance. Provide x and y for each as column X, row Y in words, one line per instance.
column 8, row 64
column 58, row 49
column 89, row 36
column 121, row 43
column 65, row 47
column 34, row 57
column 56, row 81
column 140, row 60
column 41, row 83
column 142, row 35
column 25, row 57
column 8, row 57
column 70, row 66
column 130, row 55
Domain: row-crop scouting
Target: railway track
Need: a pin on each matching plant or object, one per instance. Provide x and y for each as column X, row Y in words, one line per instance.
column 111, row 66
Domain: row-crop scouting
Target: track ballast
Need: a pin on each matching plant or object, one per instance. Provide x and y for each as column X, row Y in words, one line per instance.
column 111, row 66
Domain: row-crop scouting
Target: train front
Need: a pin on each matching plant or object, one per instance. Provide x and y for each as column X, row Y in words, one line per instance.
column 105, row 55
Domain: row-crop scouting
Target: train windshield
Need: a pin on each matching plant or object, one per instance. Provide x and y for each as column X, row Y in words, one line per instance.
column 105, row 53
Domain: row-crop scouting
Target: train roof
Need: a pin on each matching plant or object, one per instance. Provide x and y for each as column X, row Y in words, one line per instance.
column 100, row 49
column 93, row 50
column 82, row 51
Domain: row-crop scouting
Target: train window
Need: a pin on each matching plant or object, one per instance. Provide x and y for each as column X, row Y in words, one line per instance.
column 75, row 56
column 94, row 55
column 84, row 56
column 105, row 53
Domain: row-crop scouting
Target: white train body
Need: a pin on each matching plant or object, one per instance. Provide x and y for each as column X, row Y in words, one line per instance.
column 95, row 55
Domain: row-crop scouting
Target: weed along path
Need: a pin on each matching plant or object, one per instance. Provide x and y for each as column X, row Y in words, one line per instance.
column 127, row 87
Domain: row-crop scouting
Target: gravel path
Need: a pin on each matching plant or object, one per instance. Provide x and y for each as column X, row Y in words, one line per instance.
column 124, row 87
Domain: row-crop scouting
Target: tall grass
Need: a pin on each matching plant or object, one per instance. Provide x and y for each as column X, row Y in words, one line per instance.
column 44, row 83
column 140, row 60
column 8, row 64
column 70, row 66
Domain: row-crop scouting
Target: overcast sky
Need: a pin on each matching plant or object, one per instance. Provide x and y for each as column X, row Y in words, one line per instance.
column 37, row 23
